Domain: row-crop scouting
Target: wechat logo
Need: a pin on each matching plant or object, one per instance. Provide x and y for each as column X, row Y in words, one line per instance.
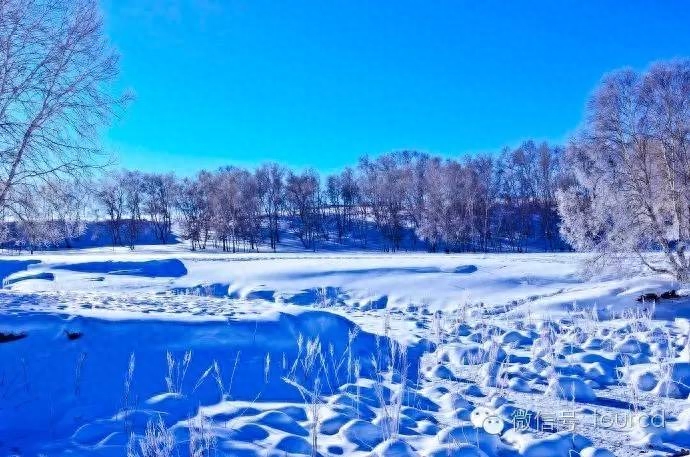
column 484, row 418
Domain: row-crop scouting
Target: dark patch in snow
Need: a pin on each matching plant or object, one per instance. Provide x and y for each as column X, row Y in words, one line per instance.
column 372, row 271
column 653, row 297
column 465, row 269
column 319, row 296
column 43, row 275
column 378, row 303
column 73, row 335
column 8, row 267
column 167, row 268
column 9, row 337
column 268, row 295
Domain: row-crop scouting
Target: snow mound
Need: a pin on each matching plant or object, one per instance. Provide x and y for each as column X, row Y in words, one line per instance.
column 571, row 387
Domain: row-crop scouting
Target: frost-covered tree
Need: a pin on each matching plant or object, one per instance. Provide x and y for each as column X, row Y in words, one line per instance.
column 631, row 167
column 36, row 227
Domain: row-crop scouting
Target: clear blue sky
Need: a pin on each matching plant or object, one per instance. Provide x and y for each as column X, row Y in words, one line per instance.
column 320, row 83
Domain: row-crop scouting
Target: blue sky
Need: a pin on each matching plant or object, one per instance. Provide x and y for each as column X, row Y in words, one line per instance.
column 320, row 83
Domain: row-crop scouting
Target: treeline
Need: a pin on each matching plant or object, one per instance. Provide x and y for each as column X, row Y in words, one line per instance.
column 400, row 200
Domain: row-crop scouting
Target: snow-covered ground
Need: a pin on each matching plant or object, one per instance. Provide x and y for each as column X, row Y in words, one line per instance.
column 169, row 352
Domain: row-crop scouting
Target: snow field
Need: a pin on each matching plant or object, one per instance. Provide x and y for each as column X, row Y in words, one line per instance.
column 149, row 355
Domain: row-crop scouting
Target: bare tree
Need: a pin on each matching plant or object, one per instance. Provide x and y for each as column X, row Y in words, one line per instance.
column 55, row 71
column 271, row 188
column 303, row 194
column 520, row 193
column 194, row 205
column 383, row 183
column 486, row 194
column 335, row 204
column 235, row 209
column 430, row 225
column 111, row 197
column 160, row 193
column 416, row 186
column 478, row 203
column 341, row 193
column 224, row 206
column 548, row 179
column 132, row 183
column 250, row 198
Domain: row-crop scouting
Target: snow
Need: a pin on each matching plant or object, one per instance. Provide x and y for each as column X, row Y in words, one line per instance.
column 357, row 353
column 571, row 387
